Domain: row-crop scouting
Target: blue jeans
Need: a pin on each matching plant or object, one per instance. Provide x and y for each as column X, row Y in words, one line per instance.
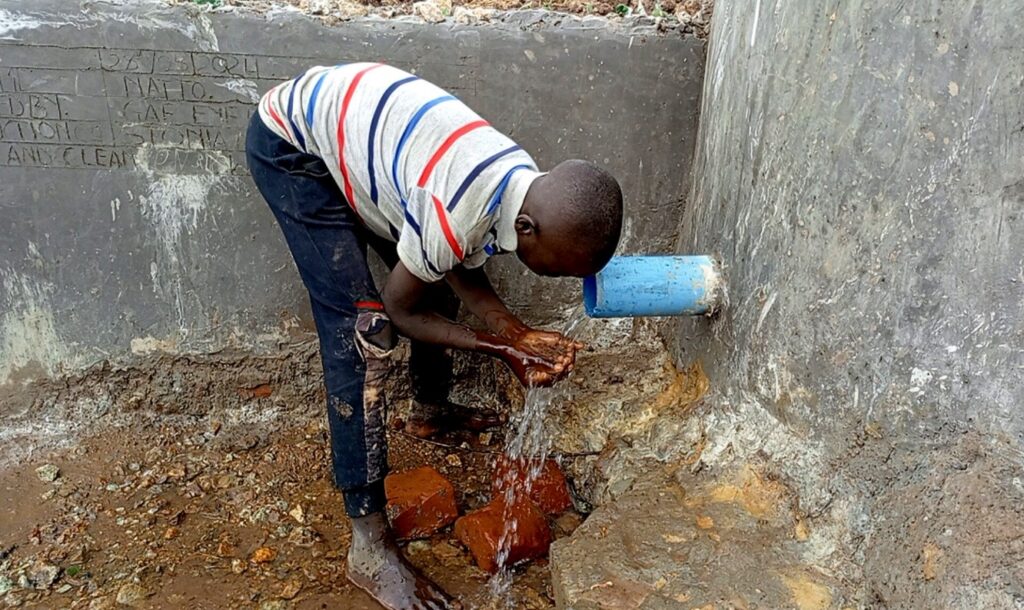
column 329, row 245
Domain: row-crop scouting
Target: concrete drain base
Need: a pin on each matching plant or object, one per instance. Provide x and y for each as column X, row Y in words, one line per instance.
column 678, row 540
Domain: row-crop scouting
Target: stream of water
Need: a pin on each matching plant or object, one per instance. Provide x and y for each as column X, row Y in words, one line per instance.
column 529, row 442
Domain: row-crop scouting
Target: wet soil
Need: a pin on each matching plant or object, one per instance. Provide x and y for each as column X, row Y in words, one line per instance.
column 214, row 512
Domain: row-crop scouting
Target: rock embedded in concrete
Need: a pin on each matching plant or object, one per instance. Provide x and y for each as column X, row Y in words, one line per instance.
column 428, row 11
column 420, row 502
column 547, row 487
column 481, row 532
column 466, row 16
column 342, row 9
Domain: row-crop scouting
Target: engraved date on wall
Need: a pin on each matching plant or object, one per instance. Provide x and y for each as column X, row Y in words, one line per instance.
column 98, row 108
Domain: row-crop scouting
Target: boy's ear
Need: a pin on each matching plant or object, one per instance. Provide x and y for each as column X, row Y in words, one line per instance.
column 525, row 225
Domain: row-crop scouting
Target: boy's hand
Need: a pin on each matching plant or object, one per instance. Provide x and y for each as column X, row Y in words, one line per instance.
column 531, row 369
column 554, row 347
column 537, row 357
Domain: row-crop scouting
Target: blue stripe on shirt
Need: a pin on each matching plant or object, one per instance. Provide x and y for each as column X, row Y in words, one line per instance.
column 405, row 136
column 373, row 132
column 301, row 141
column 476, row 173
column 496, row 198
column 312, row 99
column 419, row 233
column 412, row 223
column 316, row 93
column 430, row 265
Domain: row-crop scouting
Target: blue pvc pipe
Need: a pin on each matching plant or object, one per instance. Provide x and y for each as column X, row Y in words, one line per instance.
column 631, row 286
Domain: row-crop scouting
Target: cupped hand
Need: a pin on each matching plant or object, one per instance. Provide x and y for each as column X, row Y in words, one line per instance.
column 552, row 346
column 533, row 370
column 540, row 358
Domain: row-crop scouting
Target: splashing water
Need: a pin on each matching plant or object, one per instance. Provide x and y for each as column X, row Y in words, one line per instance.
column 527, row 449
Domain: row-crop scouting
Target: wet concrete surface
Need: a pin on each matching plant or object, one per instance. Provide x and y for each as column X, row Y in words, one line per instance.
column 681, row 540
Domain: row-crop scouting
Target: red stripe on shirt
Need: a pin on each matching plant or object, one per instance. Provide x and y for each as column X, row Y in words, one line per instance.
column 277, row 119
column 341, row 133
column 461, row 131
column 443, row 217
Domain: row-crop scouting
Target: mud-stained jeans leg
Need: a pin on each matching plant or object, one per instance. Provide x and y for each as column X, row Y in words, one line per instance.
column 328, row 244
column 376, row 341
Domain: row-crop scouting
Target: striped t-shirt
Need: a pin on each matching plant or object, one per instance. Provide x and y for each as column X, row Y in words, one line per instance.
column 416, row 164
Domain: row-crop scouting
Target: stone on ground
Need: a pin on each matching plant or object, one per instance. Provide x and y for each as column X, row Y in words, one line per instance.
column 132, row 595
column 548, row 490
column 420, row 502
column 105, row 602
column 481, row 532
column 48, row 473
column 42, row 574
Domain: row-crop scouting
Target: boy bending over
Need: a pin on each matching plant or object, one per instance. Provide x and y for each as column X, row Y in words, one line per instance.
column 366, row 154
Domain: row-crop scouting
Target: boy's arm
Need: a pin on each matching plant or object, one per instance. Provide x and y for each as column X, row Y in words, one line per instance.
column 475, row 290
column 531, row 364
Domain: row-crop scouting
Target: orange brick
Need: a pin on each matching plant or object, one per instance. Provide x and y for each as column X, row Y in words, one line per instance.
column 420, row 502
column 481, row 530
column 262, row 390
column 549, row 490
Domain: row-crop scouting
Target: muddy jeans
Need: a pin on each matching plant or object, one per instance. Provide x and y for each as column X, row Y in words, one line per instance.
column 329, row 245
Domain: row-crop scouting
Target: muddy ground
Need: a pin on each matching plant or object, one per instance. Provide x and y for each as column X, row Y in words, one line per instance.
column 203, row 482
column 214, row 512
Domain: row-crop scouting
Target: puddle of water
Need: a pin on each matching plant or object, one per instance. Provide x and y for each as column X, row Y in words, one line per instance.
column 531, row 443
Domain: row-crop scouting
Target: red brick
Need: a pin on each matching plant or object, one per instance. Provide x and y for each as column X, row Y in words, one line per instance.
column 420, row 502
column 480, row 531
column 549, row 490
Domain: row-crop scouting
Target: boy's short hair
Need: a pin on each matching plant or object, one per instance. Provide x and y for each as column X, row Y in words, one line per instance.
column 594, row 203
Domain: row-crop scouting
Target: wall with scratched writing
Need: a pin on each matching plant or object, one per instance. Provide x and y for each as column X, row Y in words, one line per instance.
column 130, row 224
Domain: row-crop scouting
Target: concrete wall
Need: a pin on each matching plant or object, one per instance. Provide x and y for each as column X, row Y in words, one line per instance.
column 859, row 170
column 131, row 226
